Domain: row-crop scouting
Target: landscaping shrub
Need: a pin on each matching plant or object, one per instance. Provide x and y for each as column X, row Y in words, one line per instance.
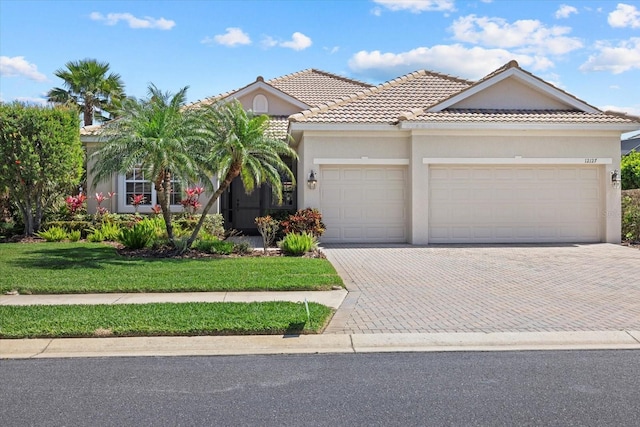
column 298, row 243
column 631, row 215
column 107, row 231
column 76, row 225
column 268, row 228
column 53, row 234
column 630, row 171
column 213, row 245
column 74, row 236
column 241, row 248
column 213, row 224
column 140, row 235
column 304, row 221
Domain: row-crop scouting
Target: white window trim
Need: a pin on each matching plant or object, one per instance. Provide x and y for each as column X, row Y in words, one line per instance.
column 123, row 207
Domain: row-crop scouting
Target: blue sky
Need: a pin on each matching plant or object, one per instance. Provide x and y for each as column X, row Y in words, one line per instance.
column 588, row 48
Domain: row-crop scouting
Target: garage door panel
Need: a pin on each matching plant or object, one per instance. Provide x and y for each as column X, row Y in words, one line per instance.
column 366, row 203
column 514, row 204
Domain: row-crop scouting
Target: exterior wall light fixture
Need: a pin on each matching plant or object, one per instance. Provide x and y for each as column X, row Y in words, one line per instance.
column 312, row 181
column 615, row 178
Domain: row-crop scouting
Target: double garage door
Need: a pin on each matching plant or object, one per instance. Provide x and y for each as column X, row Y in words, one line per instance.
column 466, row 204
column 502, row 204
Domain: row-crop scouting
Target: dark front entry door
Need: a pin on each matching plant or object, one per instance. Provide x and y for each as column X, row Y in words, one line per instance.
column 242, row 208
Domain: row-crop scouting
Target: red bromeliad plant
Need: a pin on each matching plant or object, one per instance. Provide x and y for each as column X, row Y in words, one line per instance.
column 75, row 204
column 100, row 198
column 192, row 201
column 137, row 200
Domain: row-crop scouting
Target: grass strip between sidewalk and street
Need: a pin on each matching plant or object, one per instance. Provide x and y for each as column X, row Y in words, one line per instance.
column 164, row 319
column 67, row 268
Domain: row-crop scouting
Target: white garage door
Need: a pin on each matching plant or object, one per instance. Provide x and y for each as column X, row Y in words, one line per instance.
column 363, row 203
column 486, row 204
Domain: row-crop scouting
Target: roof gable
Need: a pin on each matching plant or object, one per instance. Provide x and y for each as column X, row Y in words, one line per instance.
column 510, row 87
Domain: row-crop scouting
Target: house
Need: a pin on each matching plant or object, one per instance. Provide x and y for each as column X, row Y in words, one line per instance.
column 429, row 158
column 630, row 144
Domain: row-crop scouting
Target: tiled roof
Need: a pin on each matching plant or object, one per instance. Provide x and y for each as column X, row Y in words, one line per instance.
column 521, row 116
column 309, row 86
column 278, row 127
column 90, row 130
column 386, row 102
column 314, row 87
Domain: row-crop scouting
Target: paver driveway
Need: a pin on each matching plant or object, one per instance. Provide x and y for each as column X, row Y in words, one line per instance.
column 403, row 288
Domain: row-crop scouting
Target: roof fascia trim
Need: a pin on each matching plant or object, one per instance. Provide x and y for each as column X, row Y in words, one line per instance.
column 622, row 127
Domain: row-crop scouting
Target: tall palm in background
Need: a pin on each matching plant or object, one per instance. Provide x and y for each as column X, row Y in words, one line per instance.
column 240, row 145
column 159, row 136
column 89, row 85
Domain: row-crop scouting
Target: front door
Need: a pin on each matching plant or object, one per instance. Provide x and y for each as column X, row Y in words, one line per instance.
column 241, row 208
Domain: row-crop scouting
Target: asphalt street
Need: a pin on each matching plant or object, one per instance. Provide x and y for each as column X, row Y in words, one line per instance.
column 467, row 389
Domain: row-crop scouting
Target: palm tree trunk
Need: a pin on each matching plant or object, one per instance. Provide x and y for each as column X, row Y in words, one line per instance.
column 163, row 189
column 234, row 171
column 88, row 114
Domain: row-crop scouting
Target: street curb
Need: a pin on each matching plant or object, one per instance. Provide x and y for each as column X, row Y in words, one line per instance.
column 312, row 344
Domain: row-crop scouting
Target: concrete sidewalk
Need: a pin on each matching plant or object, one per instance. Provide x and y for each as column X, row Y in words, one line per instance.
column 331, row 299
column 306, row 344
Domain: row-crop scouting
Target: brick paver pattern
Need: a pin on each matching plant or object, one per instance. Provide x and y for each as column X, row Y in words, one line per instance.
column 499, row 288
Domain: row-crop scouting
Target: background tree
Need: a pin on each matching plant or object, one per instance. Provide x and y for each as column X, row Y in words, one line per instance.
column 239, row 145
column 89, row 85
column 42, row 157
column 630, row 171
column 158, row 135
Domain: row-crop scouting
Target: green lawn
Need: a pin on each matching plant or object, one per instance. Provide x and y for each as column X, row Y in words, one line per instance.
column 56, row 321
column 59, row 268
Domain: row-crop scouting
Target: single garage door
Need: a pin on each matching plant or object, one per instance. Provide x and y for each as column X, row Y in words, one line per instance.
column 364, row 203
column 501, row 204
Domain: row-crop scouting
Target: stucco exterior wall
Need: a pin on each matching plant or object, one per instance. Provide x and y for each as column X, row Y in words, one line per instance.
column 510, row 93
column 343, row 146
column 316, row 147
column 277, row 106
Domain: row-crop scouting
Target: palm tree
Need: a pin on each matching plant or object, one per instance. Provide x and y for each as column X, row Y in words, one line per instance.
column 159, row 136
column 239, row 145
column 87, row 85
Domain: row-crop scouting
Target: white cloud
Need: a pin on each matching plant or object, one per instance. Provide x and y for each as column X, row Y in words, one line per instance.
column 268, row 41
column 32, row 100
column 298, row 42
column 146, row 23
column 418, row 6
column 471, row 63
column 376, row 11
column 17, row 66
column 616, row 59
column 332, row 50
column 625, row 15
column 233, row 37
column 564, row 11
column 633, row 110
column 527, row 35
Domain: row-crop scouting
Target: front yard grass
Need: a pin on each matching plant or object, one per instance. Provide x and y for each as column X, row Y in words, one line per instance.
column 166, row 319
column 64, row 268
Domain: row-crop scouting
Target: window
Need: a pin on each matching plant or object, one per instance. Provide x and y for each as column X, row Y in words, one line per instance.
column 260, row 104
column 135, row 183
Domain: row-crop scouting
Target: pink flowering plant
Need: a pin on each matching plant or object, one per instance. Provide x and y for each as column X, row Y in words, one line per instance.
column 137, row 200
column 191, row 202
column 101, row 198
column 76, row 204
